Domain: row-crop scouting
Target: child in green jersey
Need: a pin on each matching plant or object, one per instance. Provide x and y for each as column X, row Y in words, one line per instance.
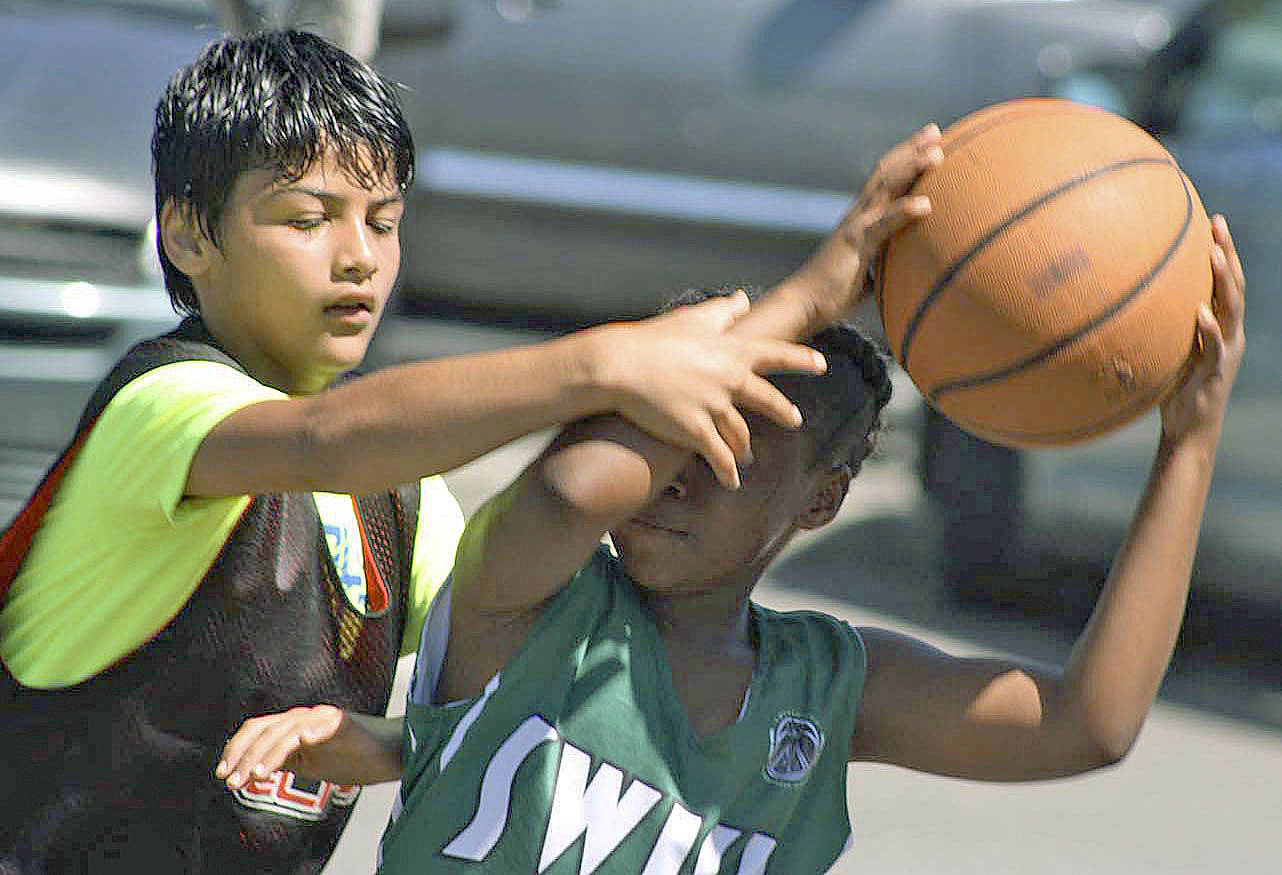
column 641, row 714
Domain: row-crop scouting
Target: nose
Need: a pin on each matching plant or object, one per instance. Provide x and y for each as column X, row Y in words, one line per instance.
column 678, row 489
column 355, row 260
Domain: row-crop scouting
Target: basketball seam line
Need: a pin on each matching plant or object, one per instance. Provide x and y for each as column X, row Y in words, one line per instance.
column 1042, row 355
column 956, row 267
column 965, row 135
column 1115, row 418
column 1013, row 114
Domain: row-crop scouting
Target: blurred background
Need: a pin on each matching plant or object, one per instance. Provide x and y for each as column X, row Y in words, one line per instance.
column 581, row 160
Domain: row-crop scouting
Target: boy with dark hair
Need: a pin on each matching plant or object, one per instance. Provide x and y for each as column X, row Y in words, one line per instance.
column 641, row 714
column 236, row 528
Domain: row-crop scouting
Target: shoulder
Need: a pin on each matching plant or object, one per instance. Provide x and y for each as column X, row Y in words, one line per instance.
column 819, row 656
column 603, row 566
column 596, row 608
column 147, row 419
column 820, row 638
column 598, row 588
column 183, row 376
column 171, row 407
column 189, row 342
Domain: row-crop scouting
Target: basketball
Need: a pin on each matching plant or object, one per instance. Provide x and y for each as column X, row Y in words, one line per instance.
column 1051, row 295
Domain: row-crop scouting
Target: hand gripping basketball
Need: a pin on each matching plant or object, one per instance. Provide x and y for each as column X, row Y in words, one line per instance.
column 1052, row 293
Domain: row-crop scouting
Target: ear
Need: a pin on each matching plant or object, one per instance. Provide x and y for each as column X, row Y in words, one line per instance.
column 184, row 242
column 826, row 497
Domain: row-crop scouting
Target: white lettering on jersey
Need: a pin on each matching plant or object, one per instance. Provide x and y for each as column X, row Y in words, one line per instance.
column 579, row 807
column 460, row 731
column 674, row 843
column 480, row 835
column 756, row 854
column 714, row 846
column 599, row 810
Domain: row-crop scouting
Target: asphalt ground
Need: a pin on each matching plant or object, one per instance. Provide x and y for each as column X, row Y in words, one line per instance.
column 1200, row 792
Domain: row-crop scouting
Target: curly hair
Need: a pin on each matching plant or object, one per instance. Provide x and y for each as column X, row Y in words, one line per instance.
column 842, row 407
column 276, row 99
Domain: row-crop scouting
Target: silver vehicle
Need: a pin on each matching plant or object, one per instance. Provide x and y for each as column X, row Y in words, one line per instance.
column 1213, row 94
column 589, row 157
column 583, row 159
column 78, row 281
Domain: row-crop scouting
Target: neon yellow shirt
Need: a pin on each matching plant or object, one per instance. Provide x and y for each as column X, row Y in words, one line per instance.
column 122, row 549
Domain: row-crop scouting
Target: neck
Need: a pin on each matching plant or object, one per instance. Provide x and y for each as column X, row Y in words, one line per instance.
column 714, row 621
column 715, row 616
column 261, row 366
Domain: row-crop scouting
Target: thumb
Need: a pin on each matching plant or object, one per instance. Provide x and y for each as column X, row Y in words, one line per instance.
column 1211, row 340
column 331, row 718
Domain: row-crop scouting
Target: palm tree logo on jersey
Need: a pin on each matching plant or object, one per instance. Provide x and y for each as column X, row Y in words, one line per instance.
column 795, row 744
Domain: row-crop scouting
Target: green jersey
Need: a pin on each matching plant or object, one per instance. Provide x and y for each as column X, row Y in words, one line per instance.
column 579, row 757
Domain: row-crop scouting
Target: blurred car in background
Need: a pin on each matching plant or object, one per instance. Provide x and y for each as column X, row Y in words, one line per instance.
column 582, row 160
column 587, row 158
column 1213, row 95
column 78, row 281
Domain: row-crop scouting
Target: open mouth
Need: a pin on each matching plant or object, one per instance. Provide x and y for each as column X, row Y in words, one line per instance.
column 352, row 309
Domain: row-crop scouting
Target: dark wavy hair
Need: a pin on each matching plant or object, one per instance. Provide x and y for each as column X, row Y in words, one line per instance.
column 279, row 100
column 841, row 408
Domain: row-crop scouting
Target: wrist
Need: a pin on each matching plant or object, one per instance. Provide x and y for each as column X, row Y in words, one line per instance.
column 1196, row 449
column 592, row 377
column 832, row 278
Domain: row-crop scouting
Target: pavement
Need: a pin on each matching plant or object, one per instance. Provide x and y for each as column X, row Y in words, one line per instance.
column 1200, row 792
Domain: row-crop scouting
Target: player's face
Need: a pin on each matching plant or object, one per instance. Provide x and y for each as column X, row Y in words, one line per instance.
column 303, row 273
column 697, row 536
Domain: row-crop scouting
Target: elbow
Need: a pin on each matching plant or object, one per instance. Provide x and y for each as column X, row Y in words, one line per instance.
column 604, row 483
column 1109, row 744
column 1112, row 749
column 1096, row 734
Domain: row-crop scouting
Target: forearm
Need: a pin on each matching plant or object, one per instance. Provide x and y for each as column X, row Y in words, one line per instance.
column 402, row 423
column 810, row 298
column 596, row 474
column 367, row 750
column 600, row 472
column 604, row 470
column 815, row 295
column 834, row 277
column 431, row 417
column 1118, row 662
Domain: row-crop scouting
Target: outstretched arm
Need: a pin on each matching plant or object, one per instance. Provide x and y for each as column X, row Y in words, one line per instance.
column 667, row 375
column 834, row 278
column 601, row 471
column 998, row 720
column 323, row 743
column 661, row 374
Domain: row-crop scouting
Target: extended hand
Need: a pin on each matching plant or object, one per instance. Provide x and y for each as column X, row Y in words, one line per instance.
column 263, row 745
column 1196, row 408
column 682, row 377
column 836, row 276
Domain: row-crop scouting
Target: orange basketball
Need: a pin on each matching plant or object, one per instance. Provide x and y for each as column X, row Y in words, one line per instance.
column 1051, row 295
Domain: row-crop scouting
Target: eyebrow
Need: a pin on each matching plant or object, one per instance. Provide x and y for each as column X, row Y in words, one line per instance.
column 322, row 195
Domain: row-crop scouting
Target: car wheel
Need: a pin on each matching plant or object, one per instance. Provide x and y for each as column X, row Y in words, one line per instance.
column 976, row 492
